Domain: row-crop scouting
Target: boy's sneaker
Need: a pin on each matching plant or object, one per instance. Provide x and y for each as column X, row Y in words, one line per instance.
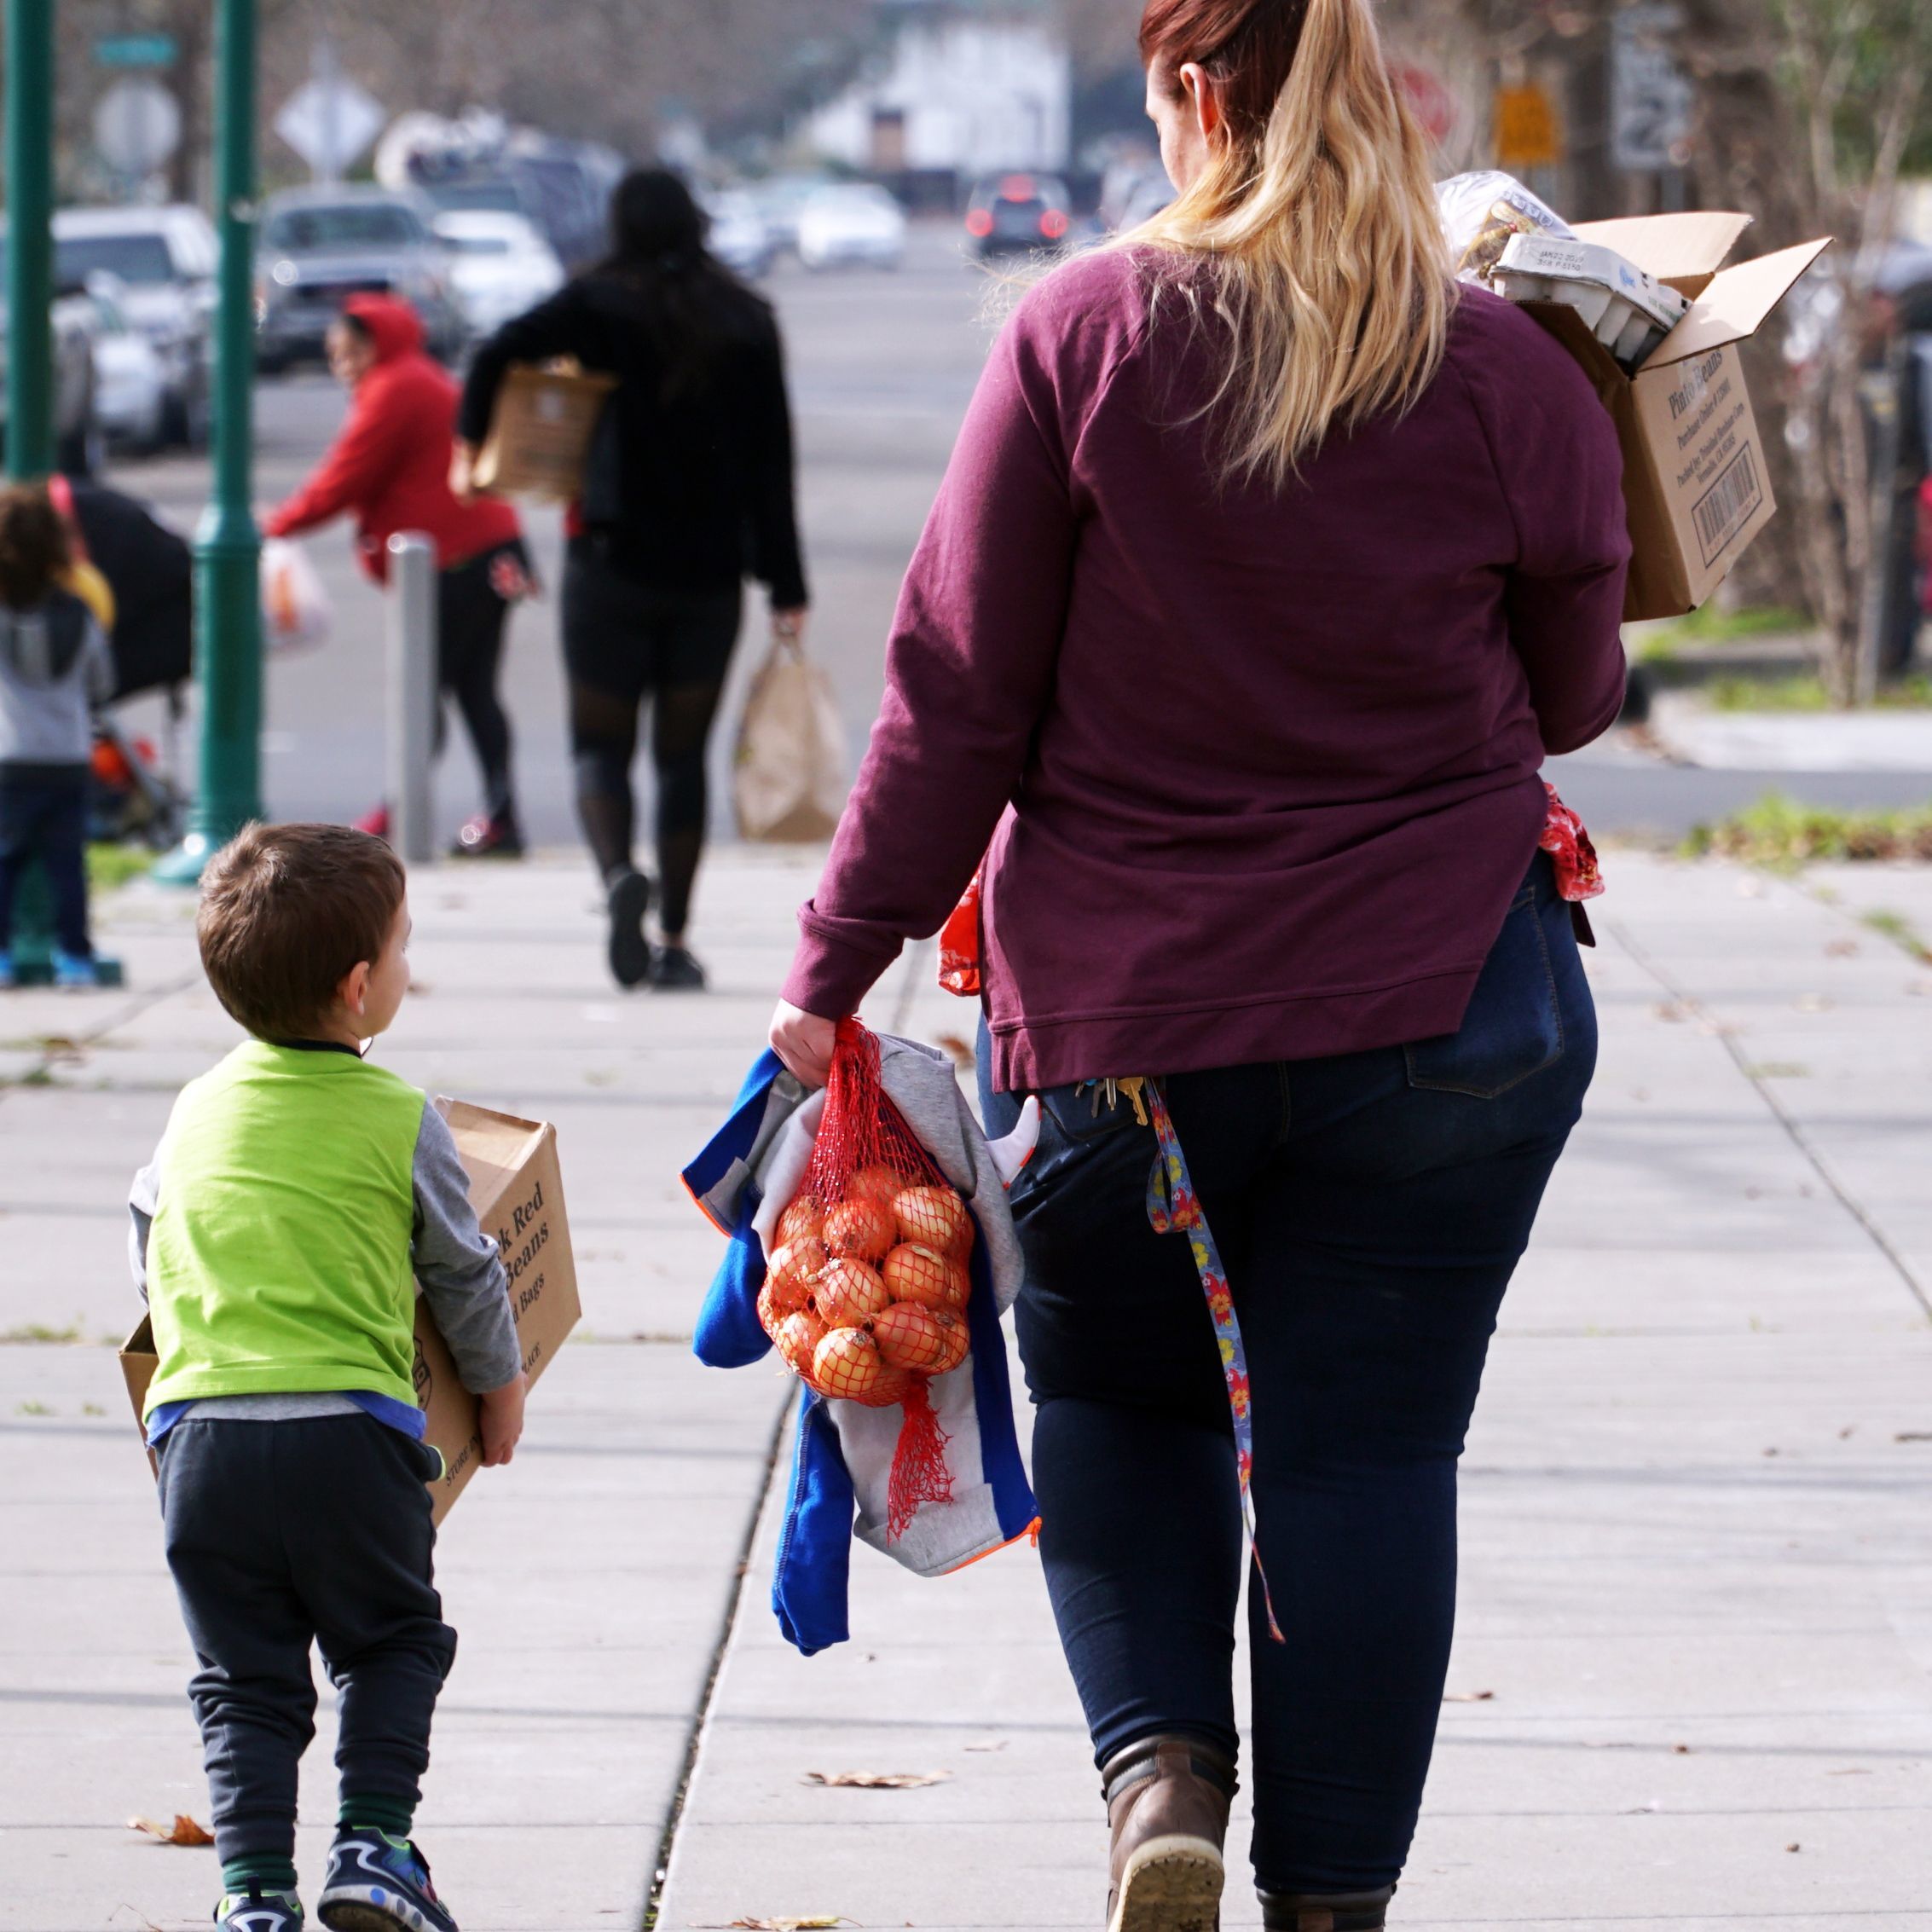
column 259, row 1911
column 378, row 1883
column 72, row 969
column 9, row 978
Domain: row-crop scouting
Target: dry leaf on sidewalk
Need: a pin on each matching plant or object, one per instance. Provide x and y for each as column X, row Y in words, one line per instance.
column 878, row 1780
column 821, row 1925
column 1467, row 1697
column 184, row 1832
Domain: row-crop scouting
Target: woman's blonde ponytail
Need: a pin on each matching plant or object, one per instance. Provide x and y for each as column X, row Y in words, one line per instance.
column 1317, row 218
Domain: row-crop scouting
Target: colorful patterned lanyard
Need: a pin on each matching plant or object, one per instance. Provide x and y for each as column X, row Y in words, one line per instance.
column 1171, row 1204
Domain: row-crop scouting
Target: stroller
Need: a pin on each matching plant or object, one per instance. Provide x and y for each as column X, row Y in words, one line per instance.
column 147, row 610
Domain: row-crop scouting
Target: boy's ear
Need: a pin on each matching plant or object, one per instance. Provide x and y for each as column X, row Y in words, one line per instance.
column 353, row 988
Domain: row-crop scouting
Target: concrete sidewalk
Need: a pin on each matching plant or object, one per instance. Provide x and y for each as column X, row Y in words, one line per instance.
column 1697, row 1552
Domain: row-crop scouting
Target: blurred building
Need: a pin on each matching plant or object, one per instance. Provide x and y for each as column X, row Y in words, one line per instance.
column 953, row 93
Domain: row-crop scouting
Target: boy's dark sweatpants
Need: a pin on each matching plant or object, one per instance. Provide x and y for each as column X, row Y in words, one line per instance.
column 279, row 1535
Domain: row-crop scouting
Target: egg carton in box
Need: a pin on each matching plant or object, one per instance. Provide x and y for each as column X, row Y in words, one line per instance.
column 1628, row 311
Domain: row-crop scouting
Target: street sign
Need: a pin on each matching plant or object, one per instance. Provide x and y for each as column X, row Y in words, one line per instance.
column 136, row 126
column 329, row 123
column 1527, row 134
column 1650, row 98
column 136, row 50
column 1430, row 102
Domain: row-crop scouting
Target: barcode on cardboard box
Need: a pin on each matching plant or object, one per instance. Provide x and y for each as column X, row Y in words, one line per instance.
column 1724, row 509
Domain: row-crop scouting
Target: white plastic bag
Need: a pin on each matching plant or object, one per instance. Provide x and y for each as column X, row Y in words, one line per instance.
column 296, row 610
column 1481, row 211
column 789, row 780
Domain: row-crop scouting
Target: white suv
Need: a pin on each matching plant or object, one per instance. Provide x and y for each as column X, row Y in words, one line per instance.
column 164, row 260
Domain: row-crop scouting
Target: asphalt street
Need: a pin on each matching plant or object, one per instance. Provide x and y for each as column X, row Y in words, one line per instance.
column 882, row 365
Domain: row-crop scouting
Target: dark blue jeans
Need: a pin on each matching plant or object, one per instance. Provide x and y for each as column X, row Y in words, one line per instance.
column 43, row 816
column 1370, row 1208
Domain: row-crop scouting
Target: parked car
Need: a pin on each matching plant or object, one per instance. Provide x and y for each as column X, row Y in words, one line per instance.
column 1011, row 214
column 130, row 380
column 77, row 436
column 738, row 236
column 320, row 245
column 164, row 260
column 856, row 224
column 499, row 265
column 780, row 200
column 562, row 187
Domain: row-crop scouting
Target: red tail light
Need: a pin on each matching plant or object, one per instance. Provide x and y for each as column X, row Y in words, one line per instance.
column 979, row 220
column 1053, row 224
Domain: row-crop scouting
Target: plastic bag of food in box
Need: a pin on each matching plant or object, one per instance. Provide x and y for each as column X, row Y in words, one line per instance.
column 1481, row 211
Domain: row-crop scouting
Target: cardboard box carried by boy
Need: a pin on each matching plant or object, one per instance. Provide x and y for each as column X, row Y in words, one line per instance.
column 516, row 1190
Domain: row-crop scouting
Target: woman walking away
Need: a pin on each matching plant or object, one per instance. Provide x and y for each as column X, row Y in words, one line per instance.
column 54, row 664
column 1266, row 574
column 690, row 487
column 390, row 468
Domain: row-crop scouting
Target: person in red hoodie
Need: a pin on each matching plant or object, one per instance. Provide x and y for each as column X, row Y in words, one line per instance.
column 390, row 468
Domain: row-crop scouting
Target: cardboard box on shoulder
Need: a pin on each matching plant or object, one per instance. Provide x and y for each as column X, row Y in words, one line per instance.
column 1695, row 482
column 516, row 1189
column 541, row 429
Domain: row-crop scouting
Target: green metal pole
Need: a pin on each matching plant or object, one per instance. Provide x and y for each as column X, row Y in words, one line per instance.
column 227, row 547
column 30, row 246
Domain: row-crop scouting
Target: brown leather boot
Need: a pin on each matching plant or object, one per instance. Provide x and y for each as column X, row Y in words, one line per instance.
column 1167, row 1803
column 1335, row 1911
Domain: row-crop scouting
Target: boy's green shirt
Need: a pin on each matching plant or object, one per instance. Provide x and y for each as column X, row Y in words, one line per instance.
column 279, row 1258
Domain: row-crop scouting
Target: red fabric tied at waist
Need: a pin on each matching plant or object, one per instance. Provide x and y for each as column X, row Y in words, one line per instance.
column 959, row 944
column 1578, row 877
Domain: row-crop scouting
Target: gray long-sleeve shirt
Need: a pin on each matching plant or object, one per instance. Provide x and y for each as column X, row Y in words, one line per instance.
column 456, row 1264
column 54, row 662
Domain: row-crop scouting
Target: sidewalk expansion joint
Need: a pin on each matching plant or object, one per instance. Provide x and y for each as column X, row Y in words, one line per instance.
column 727, row 1628
column 1794, row 1130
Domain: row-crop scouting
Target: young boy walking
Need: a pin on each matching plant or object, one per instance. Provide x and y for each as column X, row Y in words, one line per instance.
column 296, row 1193
column 53, row 663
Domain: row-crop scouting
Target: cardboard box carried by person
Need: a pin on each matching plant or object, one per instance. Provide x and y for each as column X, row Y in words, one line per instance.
column 541, row 429
column 516, row 1189
column 1695, row 482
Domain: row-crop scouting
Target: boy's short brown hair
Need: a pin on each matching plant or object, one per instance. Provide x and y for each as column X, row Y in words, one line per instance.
column 287, row 912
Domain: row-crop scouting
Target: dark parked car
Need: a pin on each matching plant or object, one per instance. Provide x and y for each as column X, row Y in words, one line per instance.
column 320, row 245
column 559, row 187
column 1012, row 214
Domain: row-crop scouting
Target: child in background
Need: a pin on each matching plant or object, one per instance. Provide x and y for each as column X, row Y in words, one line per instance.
column 296, row 1191
column 53, row 663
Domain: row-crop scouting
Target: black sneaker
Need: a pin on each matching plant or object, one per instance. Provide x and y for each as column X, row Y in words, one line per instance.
column 487, row 837
column 259, row 1911
column 673, row 970
column 628, row 898
column 378, row 1883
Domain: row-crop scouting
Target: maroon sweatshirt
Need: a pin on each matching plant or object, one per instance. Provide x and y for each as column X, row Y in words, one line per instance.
column 1259, row 770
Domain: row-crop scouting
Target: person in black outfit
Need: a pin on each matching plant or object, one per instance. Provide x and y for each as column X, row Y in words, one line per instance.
column 688, row 487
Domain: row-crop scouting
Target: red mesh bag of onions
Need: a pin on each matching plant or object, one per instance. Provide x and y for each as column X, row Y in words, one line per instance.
column 866, row 1286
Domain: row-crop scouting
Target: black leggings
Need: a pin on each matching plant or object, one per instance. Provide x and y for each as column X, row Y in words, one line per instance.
column 623, row 643
column 470, row 615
